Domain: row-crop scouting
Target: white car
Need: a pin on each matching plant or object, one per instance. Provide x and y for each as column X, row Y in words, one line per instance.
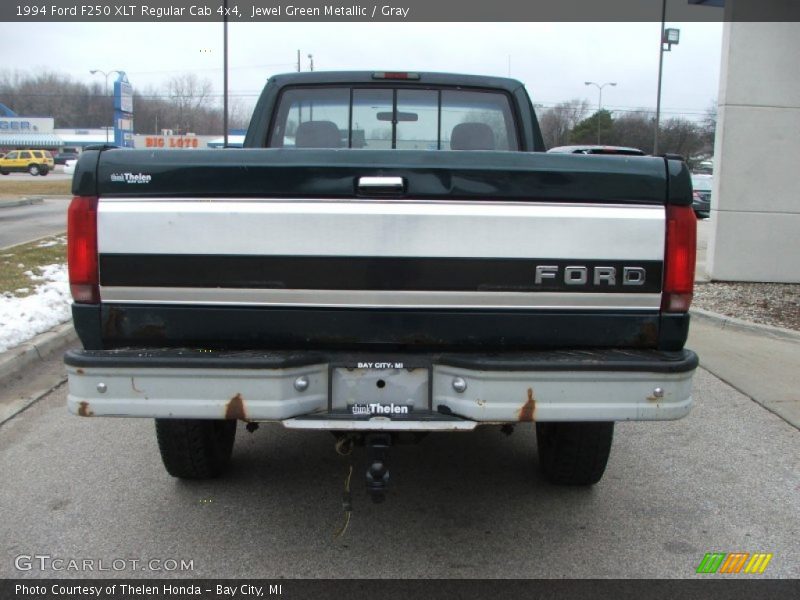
column 69, row 166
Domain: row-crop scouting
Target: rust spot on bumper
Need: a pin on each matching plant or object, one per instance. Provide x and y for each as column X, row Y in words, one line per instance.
column 79, row 371
column 235, row 409
column 647, row 336
column 113, row 322
column 528, row 410
column 84, row 410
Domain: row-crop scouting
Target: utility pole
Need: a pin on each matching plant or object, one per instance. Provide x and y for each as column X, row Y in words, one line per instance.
column 310, row 62
column 225, row 75
column 298, row 60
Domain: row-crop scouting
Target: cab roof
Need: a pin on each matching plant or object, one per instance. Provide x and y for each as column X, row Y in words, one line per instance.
column 373, row 77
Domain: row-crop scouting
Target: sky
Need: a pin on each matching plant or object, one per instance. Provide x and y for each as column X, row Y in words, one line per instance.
column 552, row 59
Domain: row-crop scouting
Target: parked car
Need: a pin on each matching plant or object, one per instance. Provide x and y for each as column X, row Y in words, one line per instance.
column 69, row 166
column 62, row 157
column 624, row 150
column 35, row 162
column 705, row 167
column 701, row 194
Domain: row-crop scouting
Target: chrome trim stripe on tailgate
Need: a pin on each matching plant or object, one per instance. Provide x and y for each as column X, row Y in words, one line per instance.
column 379, row 299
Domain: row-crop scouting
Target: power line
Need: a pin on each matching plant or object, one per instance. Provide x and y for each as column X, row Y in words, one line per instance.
column 265, row 66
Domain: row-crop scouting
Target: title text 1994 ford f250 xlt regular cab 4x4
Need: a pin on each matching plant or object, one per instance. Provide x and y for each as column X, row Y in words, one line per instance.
column 389, row 253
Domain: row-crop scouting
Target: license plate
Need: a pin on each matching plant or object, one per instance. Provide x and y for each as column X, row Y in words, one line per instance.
column 388, row 390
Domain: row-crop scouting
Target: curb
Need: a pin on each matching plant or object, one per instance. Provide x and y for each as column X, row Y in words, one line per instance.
column 21, row 202
column 35, row 350
column 747, row 326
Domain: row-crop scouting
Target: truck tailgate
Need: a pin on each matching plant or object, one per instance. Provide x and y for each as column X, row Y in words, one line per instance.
column 535, row 251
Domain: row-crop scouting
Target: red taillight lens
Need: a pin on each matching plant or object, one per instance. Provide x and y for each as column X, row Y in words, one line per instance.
column 679, row 259
column 82, row 249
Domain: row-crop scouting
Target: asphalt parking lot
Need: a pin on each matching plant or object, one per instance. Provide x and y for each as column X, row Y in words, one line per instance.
column 723, row 479
column 20, row 224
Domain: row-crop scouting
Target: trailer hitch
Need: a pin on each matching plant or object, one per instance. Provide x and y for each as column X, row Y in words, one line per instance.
column 377, row 471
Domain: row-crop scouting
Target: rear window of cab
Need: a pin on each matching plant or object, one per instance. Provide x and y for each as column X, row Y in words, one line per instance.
column 383, row 118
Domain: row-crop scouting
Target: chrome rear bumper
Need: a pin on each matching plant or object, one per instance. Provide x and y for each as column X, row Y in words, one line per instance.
column 463, row 390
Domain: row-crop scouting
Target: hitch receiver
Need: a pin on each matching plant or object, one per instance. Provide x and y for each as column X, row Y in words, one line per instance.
column 377, row 470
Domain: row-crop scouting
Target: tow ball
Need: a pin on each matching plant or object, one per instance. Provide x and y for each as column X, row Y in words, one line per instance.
column 377, row 445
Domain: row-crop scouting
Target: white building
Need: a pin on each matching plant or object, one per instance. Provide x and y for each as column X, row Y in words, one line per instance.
column 755, row 204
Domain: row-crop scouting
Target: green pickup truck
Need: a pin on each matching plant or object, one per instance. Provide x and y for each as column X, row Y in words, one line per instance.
column 391, row 254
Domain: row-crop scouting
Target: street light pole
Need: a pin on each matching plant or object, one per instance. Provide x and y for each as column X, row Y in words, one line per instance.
column 668, row 37
column 660, row 69
column 599, row 101
column 105, row 89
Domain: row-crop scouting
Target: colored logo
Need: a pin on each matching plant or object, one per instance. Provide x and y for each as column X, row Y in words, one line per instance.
column 734, row 562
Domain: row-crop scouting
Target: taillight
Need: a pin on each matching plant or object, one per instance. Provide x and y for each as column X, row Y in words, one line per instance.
column 82, row 250
column 679, row 259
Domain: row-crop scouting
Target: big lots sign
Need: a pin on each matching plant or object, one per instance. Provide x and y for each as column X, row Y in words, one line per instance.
column 170, row 141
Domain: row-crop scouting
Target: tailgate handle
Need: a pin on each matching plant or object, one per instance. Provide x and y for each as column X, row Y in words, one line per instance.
column 380, row 184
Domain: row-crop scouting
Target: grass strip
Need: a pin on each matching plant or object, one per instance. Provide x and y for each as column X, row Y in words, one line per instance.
column 19, row 263
column 40, row 186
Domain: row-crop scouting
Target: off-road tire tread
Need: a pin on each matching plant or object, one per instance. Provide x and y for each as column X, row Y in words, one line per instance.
column 574, row 453
column 195, row 448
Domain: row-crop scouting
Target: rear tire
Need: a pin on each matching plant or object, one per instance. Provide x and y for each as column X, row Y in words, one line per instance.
column 44, row 171
column 574, row 453
column 4, row 172
column 33, row 170
column 195, row 448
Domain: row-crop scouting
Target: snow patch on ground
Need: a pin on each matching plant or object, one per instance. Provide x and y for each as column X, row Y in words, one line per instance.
column 21, row 319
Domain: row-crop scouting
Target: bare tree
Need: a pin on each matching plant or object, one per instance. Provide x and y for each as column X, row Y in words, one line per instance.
column 188, row 104
column 152, row 112
column 71, row 103
column 191, row 99
column 239, row 113
column 709, row 129
column 681, row 136
column 556, row 123
column 635, row 129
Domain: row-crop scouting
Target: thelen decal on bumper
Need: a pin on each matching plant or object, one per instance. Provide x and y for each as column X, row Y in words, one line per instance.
column 378, row 409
